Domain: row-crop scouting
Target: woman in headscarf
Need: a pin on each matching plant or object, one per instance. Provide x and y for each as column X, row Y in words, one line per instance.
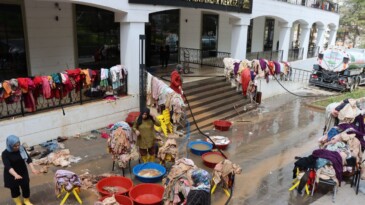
column 16, row 175
column 200, row 192
column 144, row 128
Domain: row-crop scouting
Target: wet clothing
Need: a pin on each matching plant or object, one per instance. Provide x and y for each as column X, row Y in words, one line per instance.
column 245, row 79
column 14, row 160
column 146, row 138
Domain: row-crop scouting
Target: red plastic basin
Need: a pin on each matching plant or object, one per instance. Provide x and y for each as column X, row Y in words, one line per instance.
column 120, row 199
column 147, row 194
column 132, row 116
column 124, row 184
column 222, row 125
column 210, row 163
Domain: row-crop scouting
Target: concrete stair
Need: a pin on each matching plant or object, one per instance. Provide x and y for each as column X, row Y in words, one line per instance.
column 212, row 99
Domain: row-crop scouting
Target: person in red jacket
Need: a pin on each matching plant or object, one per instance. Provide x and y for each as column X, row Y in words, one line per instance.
column 176, row 80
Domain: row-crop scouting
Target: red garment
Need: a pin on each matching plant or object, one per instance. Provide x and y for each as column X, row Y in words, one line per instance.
column 23, row 84
column 271, row 66
column 75, row 74
column 175, row 82
column 245, row 79
column 29, row 101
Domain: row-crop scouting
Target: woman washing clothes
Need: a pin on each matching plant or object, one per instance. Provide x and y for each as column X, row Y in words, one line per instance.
column 200, row 191
column 144, row 128
column 16, row 175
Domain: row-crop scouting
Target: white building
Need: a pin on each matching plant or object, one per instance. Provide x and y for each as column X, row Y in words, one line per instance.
column 48, row 36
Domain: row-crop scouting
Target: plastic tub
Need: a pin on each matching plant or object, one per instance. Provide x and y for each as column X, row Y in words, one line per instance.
column 124, row 183
column 222, row 125
column 221, row 142
column 200, row 151
column 120, row 199
column 131, row 118
column 147, row 194
column 149, row 165
column 209, row 163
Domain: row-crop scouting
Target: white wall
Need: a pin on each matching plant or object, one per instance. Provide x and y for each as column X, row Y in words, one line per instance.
column 190, row 32
column 258, row 34
column 50, row 42
column 274, row 88
column 38, row 128
column 225, row 34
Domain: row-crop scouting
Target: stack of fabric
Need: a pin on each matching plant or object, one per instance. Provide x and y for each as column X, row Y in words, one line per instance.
column 178, row 182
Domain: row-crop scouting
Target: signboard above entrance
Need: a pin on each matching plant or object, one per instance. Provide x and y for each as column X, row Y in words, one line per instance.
column 241, row 6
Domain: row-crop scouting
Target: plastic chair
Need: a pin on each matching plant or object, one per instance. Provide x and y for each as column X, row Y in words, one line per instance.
column 297, row 180
column 329, row 182
column 75, row 191
column 225, row 189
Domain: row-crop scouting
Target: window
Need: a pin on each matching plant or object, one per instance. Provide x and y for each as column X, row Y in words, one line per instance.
column 13, row 61
column 162, row 37
column 210, row 32
column 98, row 38
column 269, row 34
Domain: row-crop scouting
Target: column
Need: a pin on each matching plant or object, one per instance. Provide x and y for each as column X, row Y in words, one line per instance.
column 304, row 39
column 258, row 31
column 132, row 25
column 284, row 40
column 320, row 37
column 239, row 41
column 332, row 38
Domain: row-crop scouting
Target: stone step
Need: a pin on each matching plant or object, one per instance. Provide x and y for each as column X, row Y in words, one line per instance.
column 211, row 92
column 208, row 123
column 216, row 105
column 203, row 88
column 211, row 99
column 197, row 84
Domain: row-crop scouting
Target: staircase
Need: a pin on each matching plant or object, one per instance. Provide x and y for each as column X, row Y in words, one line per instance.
column 212, row 99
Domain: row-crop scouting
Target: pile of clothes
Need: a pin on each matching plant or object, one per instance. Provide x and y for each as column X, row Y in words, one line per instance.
column 223, row 172
column 178, row 182
column 61, row 158
column 341, row 146
column 158, row 93
column 169, row 148
column 121, row 144
column 66, row 180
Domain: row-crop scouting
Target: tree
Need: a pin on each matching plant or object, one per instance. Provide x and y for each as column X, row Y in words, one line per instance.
column 352, row 21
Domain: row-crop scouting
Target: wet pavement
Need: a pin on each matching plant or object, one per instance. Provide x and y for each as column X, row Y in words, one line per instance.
column 264, row 143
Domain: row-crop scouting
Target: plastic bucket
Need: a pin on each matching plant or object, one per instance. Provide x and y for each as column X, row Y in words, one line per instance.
column 124, row 185
column 147, row 194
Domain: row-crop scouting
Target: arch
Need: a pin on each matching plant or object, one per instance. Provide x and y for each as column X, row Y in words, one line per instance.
column 302, row 22
column 110, row 5
column 332, row 26
column 281, row 20
column 319, row 24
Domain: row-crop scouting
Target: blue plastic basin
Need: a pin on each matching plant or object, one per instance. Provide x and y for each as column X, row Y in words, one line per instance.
column 200, row 152
column 149, row 165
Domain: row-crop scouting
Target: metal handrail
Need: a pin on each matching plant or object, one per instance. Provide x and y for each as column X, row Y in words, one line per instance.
column 269, row 55
column 75, row 97
column 322, row 5
column 295, row 54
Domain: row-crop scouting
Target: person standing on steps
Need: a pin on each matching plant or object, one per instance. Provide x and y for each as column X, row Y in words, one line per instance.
column 16, row 174
column 144, row 128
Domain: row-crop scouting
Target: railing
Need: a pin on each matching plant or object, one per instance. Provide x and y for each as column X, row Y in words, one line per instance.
column 313, row 52
column 202, row 57
column 299, row 75
column 75, row 97
column 295, row 54
column 268, row 55
column 318, row 4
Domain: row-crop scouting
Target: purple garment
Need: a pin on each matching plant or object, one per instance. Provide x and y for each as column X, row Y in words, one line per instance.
column 332, row 156
column 263, row 64
column 236, row 67
column 359, row 135
column 277, row 67
column 253, row 75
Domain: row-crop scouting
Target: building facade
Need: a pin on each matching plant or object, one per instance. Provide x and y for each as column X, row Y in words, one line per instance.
column 40, row 37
